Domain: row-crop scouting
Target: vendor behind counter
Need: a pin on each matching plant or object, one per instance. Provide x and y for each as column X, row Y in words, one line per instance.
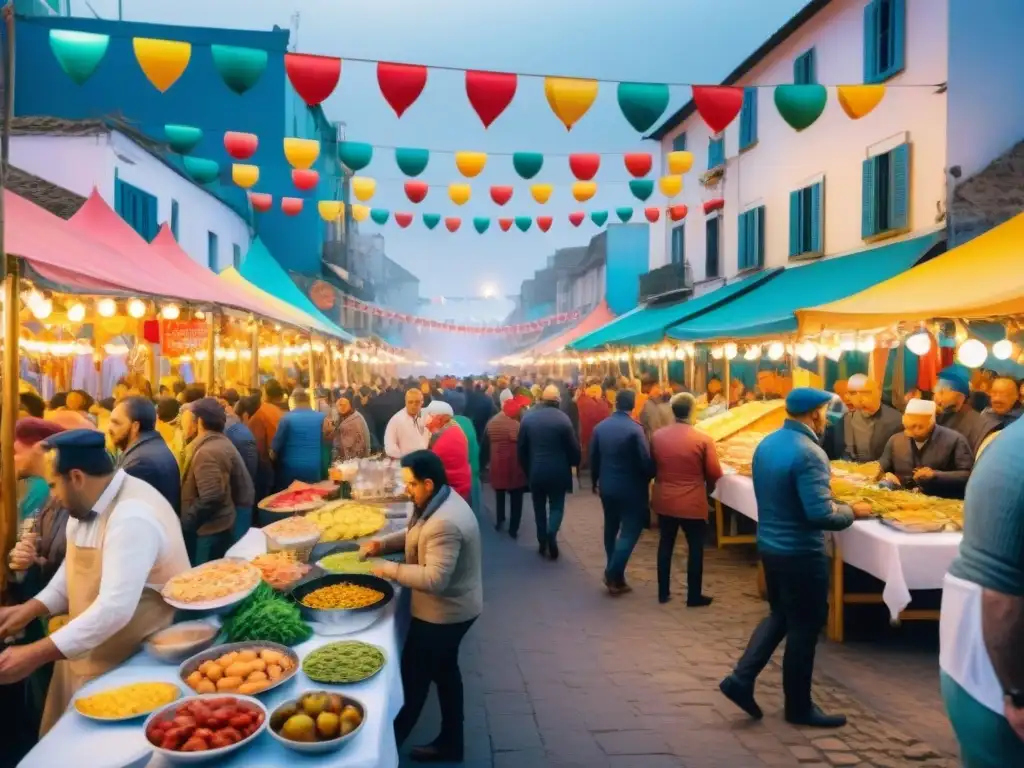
column 926, row 456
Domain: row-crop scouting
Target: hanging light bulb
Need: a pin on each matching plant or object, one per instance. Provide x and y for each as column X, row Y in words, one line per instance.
column 971, row 354
column 170, row 312
column 1002, row 350
column 834, row 353
column 42, row 309
column 776, row 350
column 199, row 314
column 920, row 343
column 753, row 352
column 106, row 307
column 730, row 350
column 680, row 353
column 807, row 352
column 136, row 308
column 866, row 345
column 76, row 313
column 716, row 353
column 847, row 344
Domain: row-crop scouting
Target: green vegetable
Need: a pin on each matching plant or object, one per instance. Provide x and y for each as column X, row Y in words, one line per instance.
column 267, row 616
column 348, row 661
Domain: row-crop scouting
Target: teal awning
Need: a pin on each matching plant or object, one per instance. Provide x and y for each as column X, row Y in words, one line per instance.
column 769, row 309
column 262, row 270
column 647, row 325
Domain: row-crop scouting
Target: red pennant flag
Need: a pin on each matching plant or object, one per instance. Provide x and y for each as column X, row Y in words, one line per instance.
column 505, row 224
column 677, row 212
column 291, row 205
column 403, row 219
column 544, row 223
column 401, row 84
column 305, row 178
column 577, row 218
column 490, row 93
column 638, row 163
column 584, row 166
column 452, row 223
column 718, row 105
column 501, row 195
column 314, row 78
column 261, row 201
column 241, row 146
column 710, row 206
column 653, row 214
column 416, row 191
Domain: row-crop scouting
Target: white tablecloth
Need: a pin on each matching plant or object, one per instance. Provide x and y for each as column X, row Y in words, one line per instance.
column 737, row 491
column 80, row 743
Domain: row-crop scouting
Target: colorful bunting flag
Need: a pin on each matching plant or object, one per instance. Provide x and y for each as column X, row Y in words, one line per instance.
column 490, row 93
column 859, row 100
column 301, row 153
column 584, row 190
column 182, row 138
column 452, row 223
column 78, row 53
column 481, row 223
column 411, row 161
column 541, row 192
column 459, row 193
column 505, row 224
column 570, row 98
column 363, row 188
column 331, row 210
column 239, row 68
column 584, row 165
column 261, row 201
column 638, row 164
column 643, row 104
column 401, row 84
column 527, row 164
column 501, row 194
column 718, row 105
column 431, row 220
column 677, row 212
column 576, row 218
column 245, row 176
column 403, row 219
column 241, row 146
column 380, row 216
column 624, row 214
column 291, row 206
column 641, row 188
column 652, row 214
column 161, row 61
column 355, row 155
column 680, row 162
column 305, row 178
column 523, row 223
column 416, row 191
column 800, row 105
column 470, row 164
column 200, row 169
column 670, row 186
column 544, row 223
column 360, row 212
column 716, row 204
column 599, row 217
column 314, row 78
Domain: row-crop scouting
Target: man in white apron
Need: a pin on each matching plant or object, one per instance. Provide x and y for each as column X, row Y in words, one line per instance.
column 124, row 543
column 981, row 633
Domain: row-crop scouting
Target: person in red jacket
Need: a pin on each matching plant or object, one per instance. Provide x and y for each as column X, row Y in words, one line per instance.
column 593, row 408
column 449, row 442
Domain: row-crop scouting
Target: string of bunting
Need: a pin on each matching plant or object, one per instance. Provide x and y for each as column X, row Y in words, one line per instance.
column 436, row 325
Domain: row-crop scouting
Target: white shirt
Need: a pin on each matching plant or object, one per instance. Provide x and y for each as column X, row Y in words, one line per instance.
column 963, row 654
column 134, row 541
column 405, row 434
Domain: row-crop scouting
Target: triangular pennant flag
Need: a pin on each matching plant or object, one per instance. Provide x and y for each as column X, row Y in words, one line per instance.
column 401, row 84
column 239, row 68
column 643, row 104
column 363, row 188
column 330, row 210
column 431, row 220
column 584, row 165
column 652, row 214
column 459, row 193
column 411, row 161
column 314, row 78
column 677, row 212
column 291, row 206
column 570, row 98
column 857, row 100
column 403, row 219
column 201, row 170
column 241, row 146
column 481, row 223
column 301, row 153
column 161, row 61
column 505, row 224
column 576, row 218
column 245, row 176
column 544, row 223
column 679, row 162
column 638, row 164
column 641, row 188
column 624, row 213
column 261, row 201
column 305, row 178
column 360, row 212
column 670, row 186
column 490, row 93
column 527, row 164
column 452, row 223
column 380, row 216
column 541, row 192
column 599, row 217
column 470, row 164
column 355, row 155
column 718, row 105
column 501, row 194
column 416, row 191
column 78, row 53
column 584, row 190
column 523, row 222
column 800, row 105
column 182, row 138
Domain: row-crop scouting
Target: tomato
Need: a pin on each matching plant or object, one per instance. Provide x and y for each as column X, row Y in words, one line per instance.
column 233, row 734
column 259, row 718
column 240, row 721
column 203, row 733
column 220, row 739
column 154, row 735
column 171, row 740
column 224, row 713
column 184, row 721
column 194, row 745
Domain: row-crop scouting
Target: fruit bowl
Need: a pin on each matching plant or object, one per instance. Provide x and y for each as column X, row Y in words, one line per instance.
column 204, row 709
column 319, row 720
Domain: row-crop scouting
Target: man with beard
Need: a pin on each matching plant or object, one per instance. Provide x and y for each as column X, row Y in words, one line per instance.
column 952, row 397
column 124, row 543
column 144, row 454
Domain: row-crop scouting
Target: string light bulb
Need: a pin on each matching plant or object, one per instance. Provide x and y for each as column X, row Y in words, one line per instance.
column 866, row 345
column 920, row 343
column 776, row 350
column 42, row 309
column 716, row 353
column 807, row 351
column 971, row 354
column 76, row 313
column 170, row 312
column 753, row 352
column 730, row 350
column 1002, row 349
column 106, row 307
column 136, row 308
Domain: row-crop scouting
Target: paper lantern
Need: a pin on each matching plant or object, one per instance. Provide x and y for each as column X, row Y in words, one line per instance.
column 800, row 105
column 490, row 93
column 569, row 98
column 241, row 146
column 403, row 219
column 291, row 206
column 643, row 104
column 584, row 190
column 541, row 192
column 452, row 223
column 314, row 78
column 680, row 162
column 401, row 84
column 638, row 164
column 380, row 216
column 718, row 105
column 459, row 193
column 501, row 194
column 183, row 138
column 470, row 164
column 481, row 223
column 859, row 100
column 416, row 191
column 641, row 188
column 716, row 204
column 261, row 201
column 652, row 214
column 576, row 218
column 360, row 212
column 305, row 178
column 355, row 155
column 431, row 220
column 411, row 161
column 584, row 165
column 161, row 61
column 544, row 223
column 599, row 217
column 677, row 212
column 670, row 186
column 363, row 188
column 527, row 164
column 78, row 53
column 239, row 68
column 201, row 170
column 301, row 153
column 331, row 210
column 624, row 213
column 523, row 223
column 245, row 176
column 505, row 224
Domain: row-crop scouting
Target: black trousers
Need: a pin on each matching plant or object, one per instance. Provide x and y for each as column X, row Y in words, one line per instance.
column 515, row 501
column 798, row 599
column 695, row 532
column 431, row 655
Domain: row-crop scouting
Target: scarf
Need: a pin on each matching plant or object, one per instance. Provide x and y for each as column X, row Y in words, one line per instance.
column 439, row 498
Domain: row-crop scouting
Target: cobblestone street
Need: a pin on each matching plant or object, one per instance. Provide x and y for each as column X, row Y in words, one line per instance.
column 558, row 673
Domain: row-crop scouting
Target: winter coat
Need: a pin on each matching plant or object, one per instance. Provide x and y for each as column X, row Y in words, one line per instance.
column 592, row 411
column 245, row 443
column 506, row 471
column 686, row 470
column 297, row 447
column 547, row 448
column 215, row 483
column 452, row 447
column 620, row 460
column 150, row 460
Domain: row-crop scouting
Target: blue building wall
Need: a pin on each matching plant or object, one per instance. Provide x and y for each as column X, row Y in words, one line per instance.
column 628, row 255
column 539, row 311
column 271, row 110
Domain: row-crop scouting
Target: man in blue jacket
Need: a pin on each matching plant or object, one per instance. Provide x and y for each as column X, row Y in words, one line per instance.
column 298, row 443
column 791, row 477
column 621, row 470
column 144, row 453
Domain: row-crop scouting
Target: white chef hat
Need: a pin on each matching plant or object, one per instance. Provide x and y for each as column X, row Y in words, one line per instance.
column 438, row 408
column 857, row 382
column 919, row 407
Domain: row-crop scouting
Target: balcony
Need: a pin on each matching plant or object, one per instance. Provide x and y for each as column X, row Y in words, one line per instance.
column 666, row 280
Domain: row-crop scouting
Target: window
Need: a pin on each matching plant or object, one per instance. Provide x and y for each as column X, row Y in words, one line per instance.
column 884, row 39
column 748, row 119
column 174, row 218
column 236, row 255
column 712, row 247
column 716, row 152
column 750, row 254
column 805, row 69
column 212, row 259
column 679, row 143
column 679, row 244
column 136, row 207
column 885, row 202
column 806, row 221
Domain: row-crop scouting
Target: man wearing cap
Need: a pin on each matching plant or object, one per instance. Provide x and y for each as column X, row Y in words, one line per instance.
column 952, row 393
column 791, row 477
column 927, row 456
column 867, row 427
column 124, row 543
column 449, row 442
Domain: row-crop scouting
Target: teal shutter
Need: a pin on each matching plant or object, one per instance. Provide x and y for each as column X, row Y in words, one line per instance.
column 150, row 222
column 868, row 217
column 871, row 42
column 817, row 220
column 679, row 143
column 804, row 69
column 744, row 241
column 716, row 153
column 174, row 218
column 211, row 251
column 795, row 246
column 899, row 197
column 758, row 220
column 236, row 255
column 748, row 118
column 678, row 244
column 897, row 37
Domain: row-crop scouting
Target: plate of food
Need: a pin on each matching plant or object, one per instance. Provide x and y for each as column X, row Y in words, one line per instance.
column 126, row 702
column 179, row 641
column 347, row 520
column 300, row 497
column 201, row 729
column 317, row 721
column 281, row 569
column 344, row 661
column 247, row 669
column 216, row 585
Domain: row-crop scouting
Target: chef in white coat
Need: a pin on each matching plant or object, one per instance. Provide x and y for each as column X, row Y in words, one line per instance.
column 124, row 544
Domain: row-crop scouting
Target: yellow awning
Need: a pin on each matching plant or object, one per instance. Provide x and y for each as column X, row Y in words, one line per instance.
column 279, row 307
column 978, row 280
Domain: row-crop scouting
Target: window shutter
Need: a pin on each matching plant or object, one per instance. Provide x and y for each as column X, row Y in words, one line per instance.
column 899, row 198
column 744, row 241
column 150, row 225
column 897, row 36
column 871, row 42
column 759, row 239
column 794, row 224
column 679, row 143
column 236, row 255
column 677, row 244
column 810, row 67
column 868, row 218
column 749, row 117
column 174, row 218
column 211, row 250
column 817, row 221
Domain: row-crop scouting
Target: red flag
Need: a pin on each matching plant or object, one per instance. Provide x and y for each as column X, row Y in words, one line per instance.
column 313, row 77
column 584, row 165
column 638, row 163
column 577, row 218
column 544, row 222
column 718, row 105
column 501, row 195
column 401, row 84
column 490, row 93
column 416, row 191
column 403, row 219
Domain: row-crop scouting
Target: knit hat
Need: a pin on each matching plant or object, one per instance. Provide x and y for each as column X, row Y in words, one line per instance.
column 952, row 378
column 30, row 431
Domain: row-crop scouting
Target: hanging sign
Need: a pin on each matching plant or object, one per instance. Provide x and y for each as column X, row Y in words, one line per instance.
column 182, row 337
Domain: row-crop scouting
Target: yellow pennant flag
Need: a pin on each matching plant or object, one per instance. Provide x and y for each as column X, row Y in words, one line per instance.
column 679, row 162
column 363, row 188
column 859, row 100
column 161, row 61
column 301, row 153
column 470, row 163
column 332, row 210
column 584, row 190
column 245, row 176
column 459, row 193
column 570, row 97
column 541, row 192
column 670, row 186
column 360, row 212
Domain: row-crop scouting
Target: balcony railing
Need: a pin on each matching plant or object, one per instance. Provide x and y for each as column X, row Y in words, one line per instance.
column 669, row 279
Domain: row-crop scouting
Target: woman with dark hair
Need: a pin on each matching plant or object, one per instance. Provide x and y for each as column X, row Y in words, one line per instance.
column 443, row 570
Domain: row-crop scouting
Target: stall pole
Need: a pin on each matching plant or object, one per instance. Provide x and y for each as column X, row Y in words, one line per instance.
column 312, row 365
column 726, row 384
column 211, row 352
column 280, row 358
column 254, row 346
column 691, row 372
column 344, row 368
column 822, row 369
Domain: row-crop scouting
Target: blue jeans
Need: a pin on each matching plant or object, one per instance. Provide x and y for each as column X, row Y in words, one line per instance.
column 548, row 523
column 243, row 522
column 624, row 521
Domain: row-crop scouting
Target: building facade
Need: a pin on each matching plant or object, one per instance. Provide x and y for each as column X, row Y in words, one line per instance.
column 765, row 195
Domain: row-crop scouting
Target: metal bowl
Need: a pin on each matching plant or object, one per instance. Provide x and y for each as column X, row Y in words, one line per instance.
column 340, row 619
column 318, row 747
column 193, row 663
column 210, row 755
column 175, row 654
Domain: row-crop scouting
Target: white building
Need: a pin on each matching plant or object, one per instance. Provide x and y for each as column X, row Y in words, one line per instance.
column 838, row 186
